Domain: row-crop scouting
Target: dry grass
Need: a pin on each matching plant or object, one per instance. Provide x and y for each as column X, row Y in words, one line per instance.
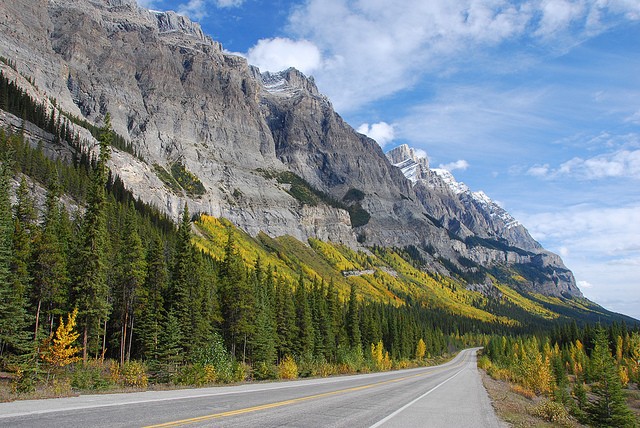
column 516, row 409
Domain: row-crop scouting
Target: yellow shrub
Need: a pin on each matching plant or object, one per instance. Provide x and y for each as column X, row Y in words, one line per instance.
column 288, row 369
column 133, row 374
column 525, row 392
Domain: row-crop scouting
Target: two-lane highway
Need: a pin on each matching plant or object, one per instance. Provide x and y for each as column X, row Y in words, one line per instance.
column 441, row 396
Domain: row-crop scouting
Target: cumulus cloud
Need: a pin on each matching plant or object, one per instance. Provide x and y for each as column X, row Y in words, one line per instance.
column 619, row 164
column 382, row 132
column 584, row 284
column 367, row 44
column 281, row 53
column 457, row 165
column 600, row 246
column 194, row 9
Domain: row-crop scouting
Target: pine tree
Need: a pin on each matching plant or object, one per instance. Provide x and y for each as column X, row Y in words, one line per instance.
column 353, row 320
column 305, row 338
column 285, row 319
column 133, row 275
column 151, row 312
column 24, row 229
column 237, row 300
column 263, row 342
column 90, row 282
column 7, row 316
column 50, row 266
column 609, row 409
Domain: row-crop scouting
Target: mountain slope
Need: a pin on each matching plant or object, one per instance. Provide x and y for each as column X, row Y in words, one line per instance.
column 265, row 150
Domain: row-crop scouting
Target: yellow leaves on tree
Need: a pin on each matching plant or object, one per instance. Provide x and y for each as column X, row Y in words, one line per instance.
column 380, row 358
column 421, row 350
column 59, row 350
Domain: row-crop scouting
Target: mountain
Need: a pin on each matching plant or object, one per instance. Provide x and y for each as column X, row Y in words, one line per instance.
column 265, row 150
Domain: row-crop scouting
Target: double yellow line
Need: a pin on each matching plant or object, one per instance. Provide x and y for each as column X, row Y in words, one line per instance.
column 293, row 401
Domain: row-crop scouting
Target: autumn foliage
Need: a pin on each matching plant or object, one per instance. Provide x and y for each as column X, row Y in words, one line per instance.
column 58, row 350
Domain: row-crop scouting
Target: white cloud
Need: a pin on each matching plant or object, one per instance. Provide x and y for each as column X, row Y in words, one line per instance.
column 382, row 132
column 457, row 165
column 194, row 9
column 229, row 3
column 280, row 53
column 376, row 48
column 584, row 284
column 600, row 246
column 419, row 153
column 619, row 164
column 541, row 171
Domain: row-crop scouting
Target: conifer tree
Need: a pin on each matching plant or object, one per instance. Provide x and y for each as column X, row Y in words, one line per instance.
column 183, row 296
column 151, row 312
column 90, row 282
column 133, row 274
column 285, row 319
column 353, row 320
column 7, row 315
column 305, row 338
column 50, row 267
column 263, row 342
column 609, row 409
column 237, row 300
column 24, row 229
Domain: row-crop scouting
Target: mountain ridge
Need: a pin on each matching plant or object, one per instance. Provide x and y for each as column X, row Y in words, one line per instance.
column 182, row 101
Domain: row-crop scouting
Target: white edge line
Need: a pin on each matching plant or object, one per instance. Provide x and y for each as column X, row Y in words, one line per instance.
column 382, row 421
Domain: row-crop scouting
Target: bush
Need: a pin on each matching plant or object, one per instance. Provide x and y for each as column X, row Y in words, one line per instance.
column 525, row 392
column 196, row 374
column 484, row 363
column 134, row 374
column 264, row 371
column 92, row 376
column 288, row 369
column 551, row 411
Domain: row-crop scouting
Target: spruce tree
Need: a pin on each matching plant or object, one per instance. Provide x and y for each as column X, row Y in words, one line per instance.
column 609, row 409
column 133, row 271
column 150, row 312
column 305, row 338
column 237, row 300
column 353, row 320
column 90, row 282
column 263, row 341
column 50, row 266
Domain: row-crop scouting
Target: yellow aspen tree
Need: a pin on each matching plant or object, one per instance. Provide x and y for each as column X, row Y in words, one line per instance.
column 619, row 349
column 59, row 350
column 377, row 355
column 421, row 350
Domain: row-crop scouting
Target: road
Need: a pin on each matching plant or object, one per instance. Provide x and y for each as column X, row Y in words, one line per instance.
column 449, row 395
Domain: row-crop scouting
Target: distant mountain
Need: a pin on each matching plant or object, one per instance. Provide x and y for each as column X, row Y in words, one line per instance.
column 264, row 150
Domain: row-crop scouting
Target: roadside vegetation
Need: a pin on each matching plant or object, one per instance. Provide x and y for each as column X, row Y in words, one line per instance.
column 575, row 376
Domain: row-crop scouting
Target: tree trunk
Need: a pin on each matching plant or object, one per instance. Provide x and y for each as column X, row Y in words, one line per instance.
column 35, row 333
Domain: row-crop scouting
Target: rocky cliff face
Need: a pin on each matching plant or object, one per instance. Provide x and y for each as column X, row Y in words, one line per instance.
column 174, row 93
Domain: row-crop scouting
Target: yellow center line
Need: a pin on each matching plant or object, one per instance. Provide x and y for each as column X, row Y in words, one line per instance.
column 292, row 401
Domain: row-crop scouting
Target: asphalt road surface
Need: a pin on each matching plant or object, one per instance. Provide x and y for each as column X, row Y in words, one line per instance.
column 449, row 395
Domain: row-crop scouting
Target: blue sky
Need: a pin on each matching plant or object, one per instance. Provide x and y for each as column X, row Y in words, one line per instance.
column 536, row 102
